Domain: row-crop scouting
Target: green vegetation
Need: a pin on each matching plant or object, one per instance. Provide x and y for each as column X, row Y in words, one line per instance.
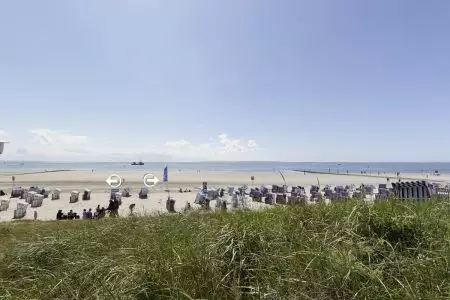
column 391, row 250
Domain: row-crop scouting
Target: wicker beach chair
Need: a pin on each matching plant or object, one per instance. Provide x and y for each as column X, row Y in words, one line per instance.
column 74, row 196
column 4, row 205
column 37, row 200
column 56, row 194
column 21, row 210
column 86, row 195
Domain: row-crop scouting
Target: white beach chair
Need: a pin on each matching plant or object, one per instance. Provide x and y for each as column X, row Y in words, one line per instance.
column 37, row 200
column 74, row 196
column 30, row 197
column 87, row 195
column 4, row 205
column 21, row 210
column 56, row 194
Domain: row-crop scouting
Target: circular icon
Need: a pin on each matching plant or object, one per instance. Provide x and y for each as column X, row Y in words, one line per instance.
column 150, row 180
column 114, row 181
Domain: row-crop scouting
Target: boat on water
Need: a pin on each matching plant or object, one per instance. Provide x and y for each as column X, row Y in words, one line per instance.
column 140, row 163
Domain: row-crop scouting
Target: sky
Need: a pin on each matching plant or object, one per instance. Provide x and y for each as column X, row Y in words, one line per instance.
column 292, row 80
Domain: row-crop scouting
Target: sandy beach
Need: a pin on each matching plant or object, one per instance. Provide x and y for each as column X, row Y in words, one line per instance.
column 95, row 181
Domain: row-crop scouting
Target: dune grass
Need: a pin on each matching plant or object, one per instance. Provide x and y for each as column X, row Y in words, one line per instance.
column 391, row 250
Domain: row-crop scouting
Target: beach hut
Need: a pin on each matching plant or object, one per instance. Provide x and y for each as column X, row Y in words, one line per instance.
column 56, row 194
column 21, row 210
column 37, row 200
column 143, row 193
column 4, row 205
column 74, row 196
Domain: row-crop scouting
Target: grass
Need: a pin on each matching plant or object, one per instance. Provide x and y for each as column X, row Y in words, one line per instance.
column 391, row 250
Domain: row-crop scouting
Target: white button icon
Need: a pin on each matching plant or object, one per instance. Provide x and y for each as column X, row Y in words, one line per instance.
column 150, row 180
column 114, row 181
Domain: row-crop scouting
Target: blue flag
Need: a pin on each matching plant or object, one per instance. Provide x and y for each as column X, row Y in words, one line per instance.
column 166, row 175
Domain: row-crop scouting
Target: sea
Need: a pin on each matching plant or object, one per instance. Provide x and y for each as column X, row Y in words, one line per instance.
column 334, row 167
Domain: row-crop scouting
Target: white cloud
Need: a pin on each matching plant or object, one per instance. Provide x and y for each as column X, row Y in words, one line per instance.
column 221, row 147
column 57, row 138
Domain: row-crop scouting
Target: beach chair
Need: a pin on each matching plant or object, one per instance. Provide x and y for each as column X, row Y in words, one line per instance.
column 269, row 199
column 24, row 194
column 4, row 205
column 46, row 192
column 16, row 192
column 37, row 200
column 30, row 197
column 235, row 201
column 213, row 194
column 21, row 210
column 86, row 195
column 118, row 197
column 170, row 205
column 126, row 192
column 74, row 196
column 35, row 189
column 113, row 192
column 200, row 198
column 143, row 193
column 281, row 199
column 56, row 194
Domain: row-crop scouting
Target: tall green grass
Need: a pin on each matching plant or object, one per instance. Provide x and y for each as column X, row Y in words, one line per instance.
column 391, row 250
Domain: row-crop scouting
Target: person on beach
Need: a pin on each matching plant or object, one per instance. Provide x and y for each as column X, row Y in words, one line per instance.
column 70, row 215
column 35, row 215
column 89, row 214
column 59, row 215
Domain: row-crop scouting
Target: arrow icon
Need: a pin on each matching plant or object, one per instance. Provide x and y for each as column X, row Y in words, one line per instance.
column 150, row 180
column 114, row 181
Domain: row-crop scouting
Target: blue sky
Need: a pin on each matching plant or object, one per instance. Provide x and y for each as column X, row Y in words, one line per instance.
column 225, row 80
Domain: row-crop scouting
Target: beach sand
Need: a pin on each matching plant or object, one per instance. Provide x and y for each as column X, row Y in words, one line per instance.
column 95, row 181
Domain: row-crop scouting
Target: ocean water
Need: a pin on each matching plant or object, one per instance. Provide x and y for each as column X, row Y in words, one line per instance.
column 392, row 167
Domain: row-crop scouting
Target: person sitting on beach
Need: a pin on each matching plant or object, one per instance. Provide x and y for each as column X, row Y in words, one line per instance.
column 89, row 214
column 70, row 215
column 2, row 193
column 84, row 214
column 76, row 216
column 180, row 190
column 59, row 215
